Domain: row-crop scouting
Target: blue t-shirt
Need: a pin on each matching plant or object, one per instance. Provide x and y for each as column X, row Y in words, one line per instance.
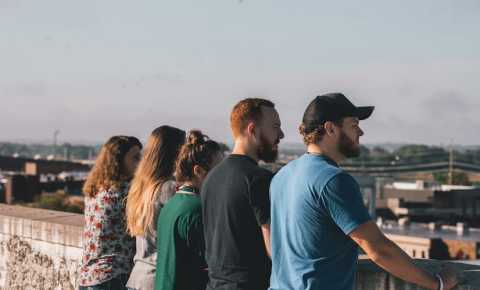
column 314, row 206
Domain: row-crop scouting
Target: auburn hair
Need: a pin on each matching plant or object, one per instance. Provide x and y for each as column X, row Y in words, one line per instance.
column 108, row 171
column 197, row 150
column 246, row 111
column 155, row 167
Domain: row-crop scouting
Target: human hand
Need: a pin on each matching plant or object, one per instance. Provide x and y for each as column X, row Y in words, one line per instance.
column 449, row 277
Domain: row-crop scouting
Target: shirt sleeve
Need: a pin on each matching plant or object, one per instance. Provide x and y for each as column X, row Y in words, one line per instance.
column 344, row 202
column 167, row 190
column 260, row 197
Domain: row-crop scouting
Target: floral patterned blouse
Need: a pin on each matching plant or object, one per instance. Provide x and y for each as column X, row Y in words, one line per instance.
column 107, row 248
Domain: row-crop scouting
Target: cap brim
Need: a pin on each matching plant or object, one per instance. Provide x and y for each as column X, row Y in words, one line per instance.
column 363, row 113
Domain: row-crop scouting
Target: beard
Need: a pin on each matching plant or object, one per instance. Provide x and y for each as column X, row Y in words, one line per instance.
column 265, row 151
column 347, row 146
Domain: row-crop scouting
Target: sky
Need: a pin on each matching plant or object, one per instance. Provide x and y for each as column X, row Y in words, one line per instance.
column 93, row 69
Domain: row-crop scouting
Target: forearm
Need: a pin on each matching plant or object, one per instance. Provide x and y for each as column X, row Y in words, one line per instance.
column 266, row 239
column 268, row 249
column 392, row 259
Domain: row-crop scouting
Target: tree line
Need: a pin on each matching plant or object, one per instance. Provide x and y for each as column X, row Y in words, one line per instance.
column 63, row 151
column 415, row 154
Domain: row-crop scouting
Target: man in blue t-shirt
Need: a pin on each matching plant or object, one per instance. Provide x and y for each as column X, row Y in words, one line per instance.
column 317, row 213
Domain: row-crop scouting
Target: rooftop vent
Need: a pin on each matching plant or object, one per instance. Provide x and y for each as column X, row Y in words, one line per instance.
column 462, row 229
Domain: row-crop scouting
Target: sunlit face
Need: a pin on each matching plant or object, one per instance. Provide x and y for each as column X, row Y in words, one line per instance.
column 270, row 133
column 131, row 160
column 349, row 138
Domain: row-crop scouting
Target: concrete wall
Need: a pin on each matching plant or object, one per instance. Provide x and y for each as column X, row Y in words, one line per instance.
column 371, row 277
column 39, row 249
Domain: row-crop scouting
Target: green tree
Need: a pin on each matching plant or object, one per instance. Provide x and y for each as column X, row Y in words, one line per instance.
column 380, row 154
column 458, row 178
column 421, row 154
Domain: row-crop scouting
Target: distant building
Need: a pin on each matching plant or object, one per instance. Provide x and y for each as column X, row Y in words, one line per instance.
column 39, row 166
column 20, row 188
column 24, row 179
column 430, row 202
column 368, row 187
column 433, row 241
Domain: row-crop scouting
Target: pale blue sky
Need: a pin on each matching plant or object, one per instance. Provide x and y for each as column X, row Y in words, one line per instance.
column 96, row 68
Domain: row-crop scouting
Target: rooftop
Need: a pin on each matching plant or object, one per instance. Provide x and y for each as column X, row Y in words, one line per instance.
column 423, row 230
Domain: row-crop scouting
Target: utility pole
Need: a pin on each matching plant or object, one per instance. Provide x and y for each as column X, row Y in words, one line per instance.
column 450, row 165
column 90, row 154
column 55, row 139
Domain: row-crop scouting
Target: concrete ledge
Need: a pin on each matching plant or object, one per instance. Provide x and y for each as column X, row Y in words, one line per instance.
column 372, row 277
column 41, row 249
column 44, row 225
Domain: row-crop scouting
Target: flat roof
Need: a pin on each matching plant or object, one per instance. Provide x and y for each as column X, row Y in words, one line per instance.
column 422, row 231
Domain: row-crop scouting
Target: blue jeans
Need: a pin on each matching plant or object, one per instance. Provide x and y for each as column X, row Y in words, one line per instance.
column 117, row 283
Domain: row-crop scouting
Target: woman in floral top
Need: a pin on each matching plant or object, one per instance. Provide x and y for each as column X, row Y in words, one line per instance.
column 107, row 248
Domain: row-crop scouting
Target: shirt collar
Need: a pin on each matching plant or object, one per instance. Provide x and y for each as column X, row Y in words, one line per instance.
column 324, row 157
column 243, row 156
column 188, row 189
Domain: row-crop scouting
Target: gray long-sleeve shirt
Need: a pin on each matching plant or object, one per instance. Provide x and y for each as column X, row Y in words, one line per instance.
column 143, row 273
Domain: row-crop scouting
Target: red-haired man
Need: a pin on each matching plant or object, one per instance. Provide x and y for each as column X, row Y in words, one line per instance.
column 236, row 204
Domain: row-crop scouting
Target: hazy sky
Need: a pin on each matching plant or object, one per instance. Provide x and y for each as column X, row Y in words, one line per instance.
column 96, row 68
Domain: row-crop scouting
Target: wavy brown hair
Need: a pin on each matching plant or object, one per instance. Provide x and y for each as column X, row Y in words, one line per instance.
column 316, row 135
column 197, row 150
column 108, row 171
column 155, row 167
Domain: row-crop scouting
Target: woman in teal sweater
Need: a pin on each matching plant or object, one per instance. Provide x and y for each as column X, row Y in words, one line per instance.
column 180, row 245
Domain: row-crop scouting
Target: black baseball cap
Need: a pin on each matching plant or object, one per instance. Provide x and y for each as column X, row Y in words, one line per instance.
column 332, row 107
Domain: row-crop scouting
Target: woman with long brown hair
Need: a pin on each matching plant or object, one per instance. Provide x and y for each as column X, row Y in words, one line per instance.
column 180, row 245
column 152, row 185
column 107, row 248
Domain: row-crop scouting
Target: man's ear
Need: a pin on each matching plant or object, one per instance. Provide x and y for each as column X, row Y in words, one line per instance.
column 251, row 129
column 329, row 128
